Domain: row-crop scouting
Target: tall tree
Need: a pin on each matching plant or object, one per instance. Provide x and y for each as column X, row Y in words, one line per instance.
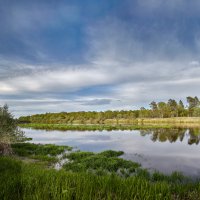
column 153, row 105
column 173, row 107
column 162, row 106
column 154, row 109
column 181, row 109
column 193, row 103
column 181, row 105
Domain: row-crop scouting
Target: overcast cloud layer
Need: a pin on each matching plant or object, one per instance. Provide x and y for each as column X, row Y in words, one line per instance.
column 97, row 55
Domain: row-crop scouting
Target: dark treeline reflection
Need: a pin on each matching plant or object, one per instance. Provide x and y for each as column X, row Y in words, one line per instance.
column 173, row 135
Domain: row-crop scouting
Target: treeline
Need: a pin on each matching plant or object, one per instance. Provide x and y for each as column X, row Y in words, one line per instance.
column 168, row 109
column 172, row 108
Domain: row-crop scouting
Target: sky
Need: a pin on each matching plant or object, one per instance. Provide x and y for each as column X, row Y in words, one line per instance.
column 91, row 55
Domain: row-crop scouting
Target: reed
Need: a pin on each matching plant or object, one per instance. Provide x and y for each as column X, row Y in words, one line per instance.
column 28, row 181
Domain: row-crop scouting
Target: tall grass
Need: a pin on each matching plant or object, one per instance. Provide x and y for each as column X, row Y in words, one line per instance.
column 81, row 178
column 30, row 182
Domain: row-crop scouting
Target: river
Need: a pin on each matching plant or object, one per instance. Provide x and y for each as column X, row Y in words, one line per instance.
column 165, row 150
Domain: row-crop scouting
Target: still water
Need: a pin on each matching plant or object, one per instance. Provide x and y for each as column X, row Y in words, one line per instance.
column 165, row 150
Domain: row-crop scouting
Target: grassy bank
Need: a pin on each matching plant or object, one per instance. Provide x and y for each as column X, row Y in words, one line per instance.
column 28, row 181
column 121, row 124
column 176, row 121
column 185, row 121
column 92, row 127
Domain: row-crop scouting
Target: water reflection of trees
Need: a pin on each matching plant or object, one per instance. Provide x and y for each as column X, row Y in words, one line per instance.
column 173, row 135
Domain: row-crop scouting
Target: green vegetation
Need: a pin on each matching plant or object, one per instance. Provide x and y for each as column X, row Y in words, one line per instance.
column 101, row 163
column 86, row 175
column 98, row 163
column 28, row 173
column 27, row 149
column 157, row 112
column 94, row 127
column 46, row 154
column 9, row 131
column 19, row 180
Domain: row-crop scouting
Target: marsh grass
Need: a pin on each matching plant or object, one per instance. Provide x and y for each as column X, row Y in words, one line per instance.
column 91, row 127
column 88, row 175
column 118, row 124
column 28, row 181
column 46, row 153
column 106, row 162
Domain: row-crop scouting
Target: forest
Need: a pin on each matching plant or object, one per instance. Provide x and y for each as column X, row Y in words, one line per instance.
column 169, row 109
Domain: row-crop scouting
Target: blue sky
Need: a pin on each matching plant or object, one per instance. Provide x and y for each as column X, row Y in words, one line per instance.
column 97, row 55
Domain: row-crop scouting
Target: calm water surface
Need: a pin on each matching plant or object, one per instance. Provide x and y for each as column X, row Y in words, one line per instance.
column 165, row 150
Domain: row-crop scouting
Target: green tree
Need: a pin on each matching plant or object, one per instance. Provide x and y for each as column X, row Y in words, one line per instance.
column 181, row 105
column 153, row 105
column 193, row 103
column 163, row 110
column 154, row 109
column 196, row 112
column 143, row 112
column 173, row 107
column 181, row 109
column 9, row 131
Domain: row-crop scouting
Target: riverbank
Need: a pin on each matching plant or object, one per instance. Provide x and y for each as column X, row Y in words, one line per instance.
column 121, row 124
column 185, row 121
column 86, row 175
column 176, row 121
column 92, row 127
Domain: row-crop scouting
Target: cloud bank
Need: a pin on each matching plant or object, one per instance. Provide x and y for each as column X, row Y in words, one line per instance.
column 66, row 57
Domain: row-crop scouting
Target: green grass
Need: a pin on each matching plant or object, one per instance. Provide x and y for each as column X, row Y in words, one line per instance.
column 86, row 176
column 28, row 181
column 26, row 149
column 46, row 153
column 114, row 123
column 92, row 127
column 102, row 163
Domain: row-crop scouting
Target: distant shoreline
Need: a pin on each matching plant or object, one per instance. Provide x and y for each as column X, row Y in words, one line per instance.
column 121, row 124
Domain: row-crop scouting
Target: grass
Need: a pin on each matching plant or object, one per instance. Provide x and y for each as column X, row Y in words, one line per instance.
column 91, row 127
column 120, row 124
column 106, row 162
column 139, row 124
column 26, row 149
column 46, row 153
column 182, row 122
column 86, row 176
column 103, row 163
column 28, row 181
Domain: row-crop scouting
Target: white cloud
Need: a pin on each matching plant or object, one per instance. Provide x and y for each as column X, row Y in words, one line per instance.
column 59, row 79
column 195, row 63
column 136, row 72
